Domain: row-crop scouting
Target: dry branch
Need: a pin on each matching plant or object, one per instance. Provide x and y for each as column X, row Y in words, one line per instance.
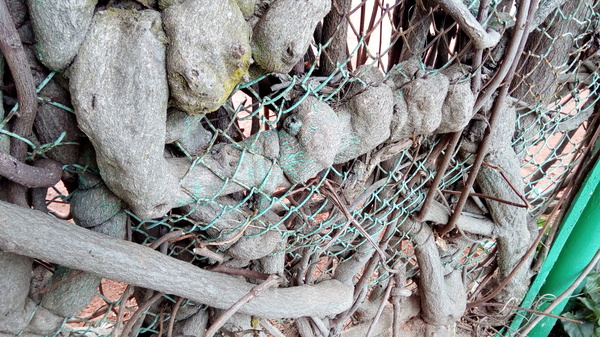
column 45, row 173
column 12, row 49
column 459, row 11
column 32, row 233
column 254, row 292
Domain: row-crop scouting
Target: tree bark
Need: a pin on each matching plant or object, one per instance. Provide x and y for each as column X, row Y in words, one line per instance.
column 34, row 234
column 335, row 28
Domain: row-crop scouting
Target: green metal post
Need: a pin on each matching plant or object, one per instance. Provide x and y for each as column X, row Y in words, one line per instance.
column 576, row 244
column 578, row 251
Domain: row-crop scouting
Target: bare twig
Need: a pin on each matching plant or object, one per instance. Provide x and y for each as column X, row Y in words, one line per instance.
column 361, row 286
column 203, row 250
column 99, row 312
column 271, row 328
column 55, row 285
column 451, row 145
column 385, row 153
column 176, row 307
column 487, row 275
column 484, row 6
column 384, row 301
column 272, row 280
column 161, row 317
column 238, row 271
column 128, row 330
column 232, row 239
column 581, row 173
column 45, row 173
column 170, row 236
column 512, row 187
column 118, row 328
column 330, row 193
column 485, row 196
column 304, row 327
column 318, row 323
column 509, row 61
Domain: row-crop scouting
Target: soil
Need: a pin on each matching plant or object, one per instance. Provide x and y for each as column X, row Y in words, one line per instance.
column 97, row 309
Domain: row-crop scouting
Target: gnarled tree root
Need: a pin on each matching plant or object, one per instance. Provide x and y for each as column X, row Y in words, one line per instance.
column 32, row 233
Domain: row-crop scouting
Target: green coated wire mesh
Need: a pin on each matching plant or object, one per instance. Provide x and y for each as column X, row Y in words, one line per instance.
column 311, row 227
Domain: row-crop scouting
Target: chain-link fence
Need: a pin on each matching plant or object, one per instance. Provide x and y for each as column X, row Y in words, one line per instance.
column 400, row 156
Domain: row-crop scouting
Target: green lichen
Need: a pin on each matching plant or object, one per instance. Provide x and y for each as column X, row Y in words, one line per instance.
column 239, row 74
column 245, row 6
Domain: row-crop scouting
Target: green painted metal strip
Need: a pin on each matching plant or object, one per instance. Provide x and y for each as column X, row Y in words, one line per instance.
column 576, row 254
column 572, row 217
